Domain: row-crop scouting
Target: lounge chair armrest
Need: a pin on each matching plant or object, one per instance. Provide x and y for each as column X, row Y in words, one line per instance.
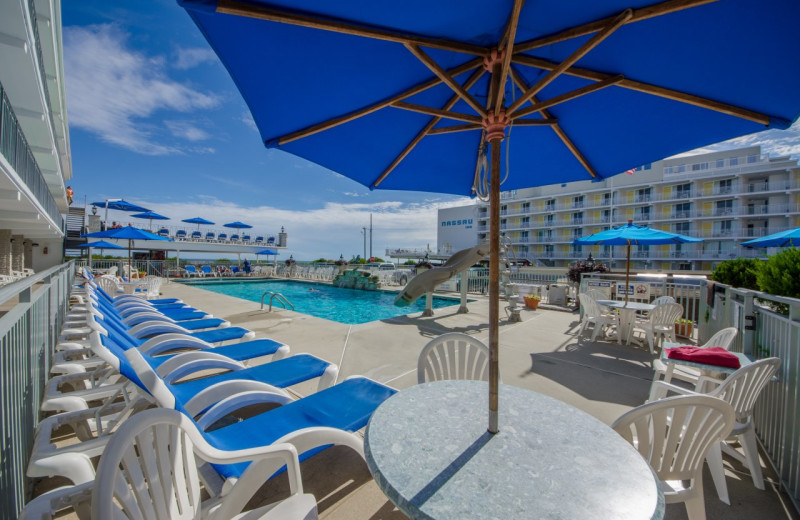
column 707, row 384
column 141, row 317
column 226, row 397
column 172, row 341
column 151, row 328
column 79, row 498
column 72, row 345
column 660, row 389
column 205, row 361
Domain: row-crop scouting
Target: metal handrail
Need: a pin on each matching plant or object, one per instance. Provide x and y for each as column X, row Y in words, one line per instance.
column 283, row 300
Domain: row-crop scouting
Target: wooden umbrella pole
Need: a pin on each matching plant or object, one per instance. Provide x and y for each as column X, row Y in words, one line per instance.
column 627, row 272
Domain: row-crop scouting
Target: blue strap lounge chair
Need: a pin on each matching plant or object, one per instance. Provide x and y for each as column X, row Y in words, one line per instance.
column 197, row 236
column 234, row 238
column 236, row 271
column 223, row 237
column 211, row 236
column 180, row 234
column 190, row 271
column 259, row 240
column 246, row 239
column 163, row 232
column 270, row 241
column 207, row 271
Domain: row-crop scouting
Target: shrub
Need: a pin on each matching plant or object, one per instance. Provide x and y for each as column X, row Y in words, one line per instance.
column 739, row 272
column 575, row 270
column 780, row 274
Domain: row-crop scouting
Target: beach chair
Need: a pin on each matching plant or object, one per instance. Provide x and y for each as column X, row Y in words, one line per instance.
column 259, row 240
column 235, row 271
column 246, row 239
column 271, row 241
column 741, row 390
column 207, row 271
column 196, row 236
column 190, row 271
column 453, row 356
column 222, row 237
column 674, row 435
column 163, row 232
column 211, row 236
column 180, row 235
column 235, row 238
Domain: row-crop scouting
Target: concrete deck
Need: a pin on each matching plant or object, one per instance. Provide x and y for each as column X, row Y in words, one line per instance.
column 542, row 354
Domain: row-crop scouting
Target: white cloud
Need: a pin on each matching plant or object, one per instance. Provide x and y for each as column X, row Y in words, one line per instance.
column 328, row 231
column 114, row 90
column 247, row 119
column 773, row 142
column 187, row 58
column 186, row 130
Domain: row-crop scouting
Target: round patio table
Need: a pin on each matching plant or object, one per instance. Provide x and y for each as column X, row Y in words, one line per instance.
column 428, row 449
column 627, row 315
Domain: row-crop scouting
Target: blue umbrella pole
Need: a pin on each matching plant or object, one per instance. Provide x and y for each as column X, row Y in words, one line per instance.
column 627, row 272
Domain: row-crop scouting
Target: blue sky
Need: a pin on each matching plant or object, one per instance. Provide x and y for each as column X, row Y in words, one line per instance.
column 156, row 119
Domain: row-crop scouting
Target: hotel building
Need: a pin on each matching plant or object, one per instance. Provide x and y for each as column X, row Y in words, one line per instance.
column 724, row 198
column 35, row 160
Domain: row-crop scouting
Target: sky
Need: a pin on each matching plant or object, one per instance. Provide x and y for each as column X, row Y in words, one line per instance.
column 155, row 119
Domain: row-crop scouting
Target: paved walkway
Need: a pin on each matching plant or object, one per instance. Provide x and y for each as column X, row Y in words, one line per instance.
column 542, row 353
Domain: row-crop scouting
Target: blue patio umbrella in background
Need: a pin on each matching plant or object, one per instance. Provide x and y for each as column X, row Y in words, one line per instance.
column 100, row 244
column 237, row 225
column 421, row 95
column 152, row 215
column 119, row 205
column 631, row 234
column 198, row 221
column 788, row 238
column 267, row 252
column 128, row 233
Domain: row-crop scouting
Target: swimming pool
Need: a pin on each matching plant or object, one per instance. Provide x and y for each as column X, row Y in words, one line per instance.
column 324, row 301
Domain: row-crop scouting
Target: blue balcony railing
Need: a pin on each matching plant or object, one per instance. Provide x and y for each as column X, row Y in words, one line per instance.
column 17, row 152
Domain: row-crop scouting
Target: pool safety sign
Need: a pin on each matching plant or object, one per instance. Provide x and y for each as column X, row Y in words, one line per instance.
column 603, row 286
column 638, row 290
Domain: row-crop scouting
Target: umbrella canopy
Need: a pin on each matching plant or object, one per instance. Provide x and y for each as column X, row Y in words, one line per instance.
column 633, row 234
column 421, row 95
column 238, row 225
column 198, row 221
column 102, row 244
column 152, row 215
column 119, row 205
column 126, row 233
column 267, row 252
column 787, row 238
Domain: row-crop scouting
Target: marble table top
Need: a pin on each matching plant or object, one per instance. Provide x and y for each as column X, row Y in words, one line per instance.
column 428, row 449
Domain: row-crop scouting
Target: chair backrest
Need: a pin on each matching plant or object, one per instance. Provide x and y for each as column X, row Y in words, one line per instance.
column 108, row 284
column 190, row 269
column 742, row 388
column 207, row 269
column 246, row 238
column 597, row 294
column 153, row 285
column 666, row 314
column 589, row 306
column 234, row 237
column 149, row 470
column 164, row 232
column 661, row 300
column 222, row 236
column 210, row 235
column 723, row 338
column 453, row 356
column 197, row 234
column 259, row 239
column 674, row 434
column 271, row 240
column 112, row 271
column 181, row 233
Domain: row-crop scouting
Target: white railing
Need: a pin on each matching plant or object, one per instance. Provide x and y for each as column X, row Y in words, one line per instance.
column 28, row 334
column 769, row 326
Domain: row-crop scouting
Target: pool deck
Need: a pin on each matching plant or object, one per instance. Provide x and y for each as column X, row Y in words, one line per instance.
column 542, row 353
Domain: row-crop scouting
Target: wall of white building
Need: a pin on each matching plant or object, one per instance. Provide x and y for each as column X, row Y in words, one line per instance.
column 456, row 229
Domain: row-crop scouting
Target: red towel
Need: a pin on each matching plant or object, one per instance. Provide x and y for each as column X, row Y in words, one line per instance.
column 717, row 356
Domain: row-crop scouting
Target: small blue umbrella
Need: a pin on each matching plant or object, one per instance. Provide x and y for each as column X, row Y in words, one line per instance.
column 198, row 221
column 267, row 252
column 101, row 244
column 633, row 234
column 119, row 205
column 152, row 215
column 238, row 225
column 789, row 238
column 128, row 233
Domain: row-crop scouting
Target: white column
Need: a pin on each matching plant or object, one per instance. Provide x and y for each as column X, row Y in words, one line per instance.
column 5, row 251
column 27, row 249
column 17, row 253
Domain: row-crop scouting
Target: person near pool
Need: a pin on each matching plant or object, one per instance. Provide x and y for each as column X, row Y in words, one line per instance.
column 246, row 266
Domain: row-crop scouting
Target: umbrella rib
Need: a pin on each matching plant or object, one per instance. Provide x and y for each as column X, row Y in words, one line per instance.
column 234, row 7
column 446, row 78
column 584, row 49
column 643, row 13
column 647, row 88
column 445, row 114
column 588, row 89
column 454, row 129
column 325, row 125
column 558, row 129
column 507, row 45
column 427, row 129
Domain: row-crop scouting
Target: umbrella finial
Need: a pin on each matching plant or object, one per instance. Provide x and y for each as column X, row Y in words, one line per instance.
column 495, row 126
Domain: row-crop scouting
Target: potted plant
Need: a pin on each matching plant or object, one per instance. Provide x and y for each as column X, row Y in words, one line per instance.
column 684, row 327
column 532, row 301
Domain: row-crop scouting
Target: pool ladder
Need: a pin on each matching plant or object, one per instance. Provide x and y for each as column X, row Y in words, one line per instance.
column 276, row 296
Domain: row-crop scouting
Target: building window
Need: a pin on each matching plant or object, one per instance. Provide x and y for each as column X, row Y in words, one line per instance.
column 724, row 207
column 751, row 159
column 647, row 166
column 550, row 205
column 684, row 191
column 577, row 202
column 668, row 169
column 683, row 210
column 680, row 168
column 577, row 218
column 643, row 195
column 720, row 163
column 733, row 161
column 526, row 207
column 549, row 220
column 699, row 166
column 682, row 228
column 606, row 199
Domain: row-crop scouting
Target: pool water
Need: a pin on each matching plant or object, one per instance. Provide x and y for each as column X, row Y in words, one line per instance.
column 324, row 301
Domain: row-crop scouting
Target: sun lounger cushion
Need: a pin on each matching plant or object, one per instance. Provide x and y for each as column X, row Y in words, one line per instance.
column 347, row 406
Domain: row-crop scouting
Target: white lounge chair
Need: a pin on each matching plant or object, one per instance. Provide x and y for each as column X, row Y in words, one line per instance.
column 722, row 339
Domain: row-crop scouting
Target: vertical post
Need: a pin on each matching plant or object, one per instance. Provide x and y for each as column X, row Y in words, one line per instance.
column 463, row 308
column 627, row 272
column 370, row 235
column 748, row 333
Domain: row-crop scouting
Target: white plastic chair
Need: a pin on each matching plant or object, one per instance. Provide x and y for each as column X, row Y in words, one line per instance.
column 741, row 389
column 722, row 339
column 593, row 313
column 661, row 300
column 674, row 435
column 453, row 356
column 108, row 284
column 153, row 284
column 660, row 322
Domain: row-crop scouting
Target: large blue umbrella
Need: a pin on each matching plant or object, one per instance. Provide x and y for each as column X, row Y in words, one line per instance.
column 120, row 205
column 128, row 233
column 152, row 215
column 100, row 244
column 417, row 95
column 631, row 234
column 238, row 225
column 198, row 221
column 790, row 238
